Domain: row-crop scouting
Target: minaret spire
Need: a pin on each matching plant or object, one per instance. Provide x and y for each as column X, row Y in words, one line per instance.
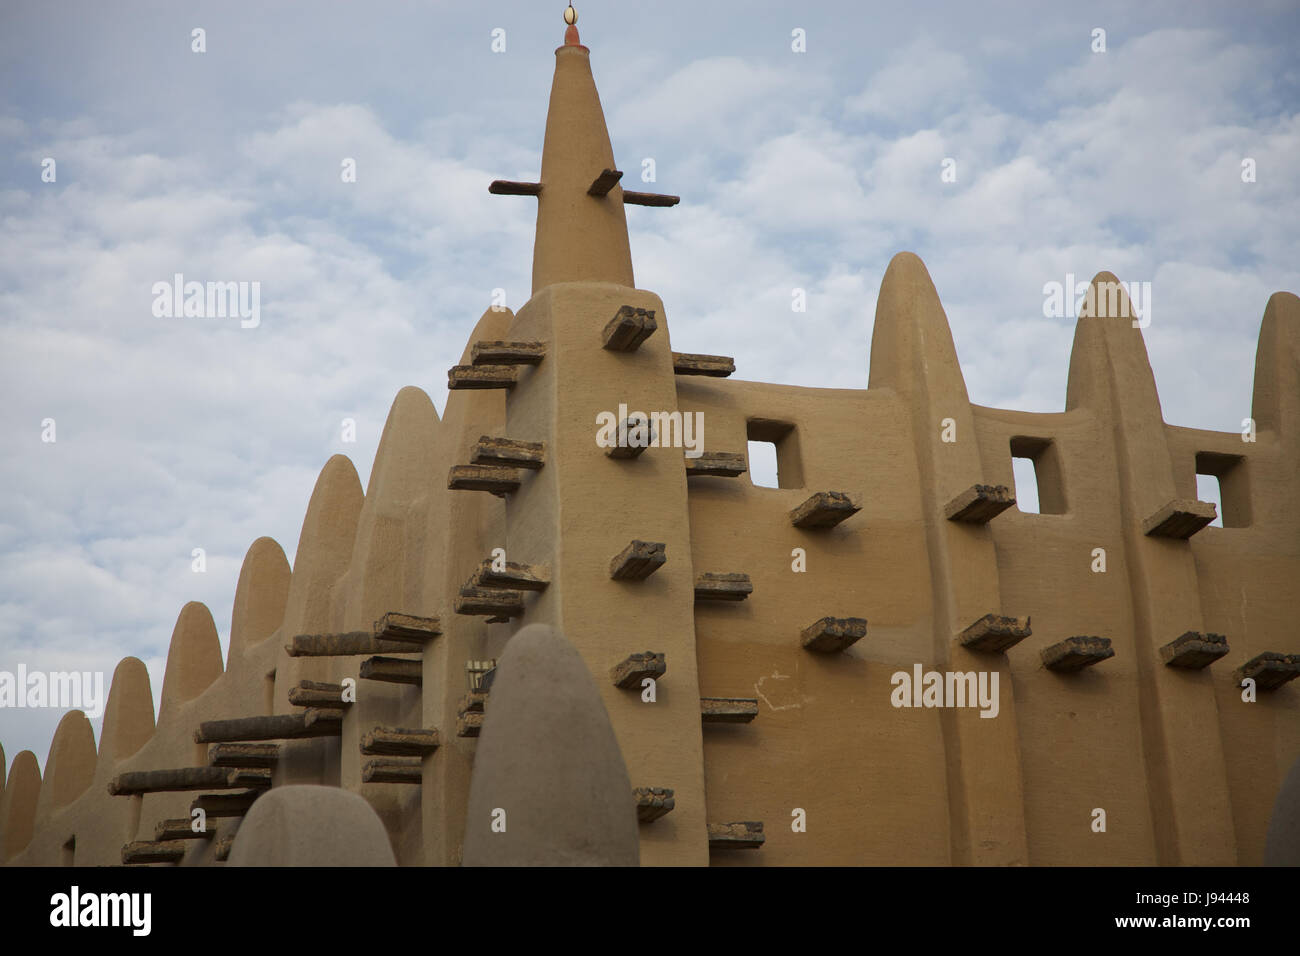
column 581, row 226
column 579, row 236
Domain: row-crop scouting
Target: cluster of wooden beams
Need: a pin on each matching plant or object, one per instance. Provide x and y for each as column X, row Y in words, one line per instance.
column 392, row 670
column 599, row 188
column 606, row 181
column 407, row 628
column 712, row 586
column 179, row 829
column 232, row 804
column 507, row 187
column 830, row 635
column 188, row 778
column 638, row 561
column 511, row 576
column 995, row 633
column 824, row 510
column 508, row 453
column 400, row 742
column 720, row 464
column 313, row 722
column 979, row 504
column 1269, row 670
column 349, row 644
column 745, row 835
column 311, row 693
column 243, row 755
column 714, row 366
column 628, row 329
column 1194, row 650
column 392, row 770
column 728, row 710
column 461, row 377
column 1075, row 653
column 1180, row 519
column 153, row 851
column 629, row 672
column 498, row 354
column 498, row 606
column 496, row 479
column 652, row 803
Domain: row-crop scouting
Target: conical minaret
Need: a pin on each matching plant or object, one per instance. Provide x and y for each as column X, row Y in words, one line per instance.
column 580, row 236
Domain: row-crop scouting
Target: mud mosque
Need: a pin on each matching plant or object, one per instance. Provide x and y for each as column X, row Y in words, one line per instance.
column 517, row 645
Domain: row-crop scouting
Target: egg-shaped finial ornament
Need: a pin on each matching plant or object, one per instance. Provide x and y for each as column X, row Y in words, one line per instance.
column 570, row 15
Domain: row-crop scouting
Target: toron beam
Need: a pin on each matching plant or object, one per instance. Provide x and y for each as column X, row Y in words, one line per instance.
column 1194, row 650
column 605, row 182
column 1075, row 653
column 995, row 633
column 628, row 329
column 719, row 464
column 188, row 778
column 473, row 702
column 832, row 634
column 497, row 606
column 221, row 849
column 629, row 672
column 652, row 803
column 469, row 723
column 1269, row 670
column 406, row 628
column 747, row 835
column 499, row 481
column 310, row 723
column 225, row 804
column 514, row 576
column 1181, row 518
column 506, row 353
column 823, row 510
column 509, row 453
column 392, row 670
column 482, row 376
column 506, row 187
column 714, row 366
column 634, row 436
column 650, row 199
column 351, row 644
column 979, row 504
column 151, row 851
column 180, row 829
column 638, row 561
column 392, row 770
column 728, row 710
column 243, row 755
column 713, row 586
column 310, row 693
column 400, row 742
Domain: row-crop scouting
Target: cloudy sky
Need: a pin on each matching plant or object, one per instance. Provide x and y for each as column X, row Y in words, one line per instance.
column 796, row 170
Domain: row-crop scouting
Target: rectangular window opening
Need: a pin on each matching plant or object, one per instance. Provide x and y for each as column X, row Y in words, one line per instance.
column 1036, row 467
column 1223, row 479
column 773, row 453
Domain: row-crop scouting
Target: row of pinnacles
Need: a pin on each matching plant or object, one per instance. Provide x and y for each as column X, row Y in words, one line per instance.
column 684, row 693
